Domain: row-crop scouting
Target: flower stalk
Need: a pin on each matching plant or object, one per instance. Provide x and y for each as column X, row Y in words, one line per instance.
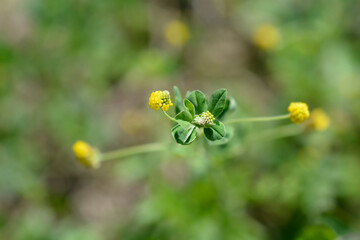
column 257, row 119
column 169, row 117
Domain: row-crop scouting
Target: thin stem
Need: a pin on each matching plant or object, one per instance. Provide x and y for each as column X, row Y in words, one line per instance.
column 257, row 119
column 168, row 116
column 125, row 152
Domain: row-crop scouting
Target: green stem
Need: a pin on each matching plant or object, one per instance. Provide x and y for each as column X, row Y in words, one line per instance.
column 169, row 117
column 125, row 152
column 257, row 119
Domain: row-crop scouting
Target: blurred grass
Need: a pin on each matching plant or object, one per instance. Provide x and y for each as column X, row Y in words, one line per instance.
column 74, row 70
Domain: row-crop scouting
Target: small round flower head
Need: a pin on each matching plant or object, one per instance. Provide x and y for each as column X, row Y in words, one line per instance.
column 86, row 155
column 299, row 112
column 266, row 36
column 204, row 119
column 319, row 120
column 176, row 33
column 160, row 100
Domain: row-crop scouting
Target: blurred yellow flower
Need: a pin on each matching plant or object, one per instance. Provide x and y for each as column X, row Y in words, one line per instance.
column 160, row 99
column 86, row 155
column 299, row 112
column 266, row 36
column 319, row 120
column 176, row 33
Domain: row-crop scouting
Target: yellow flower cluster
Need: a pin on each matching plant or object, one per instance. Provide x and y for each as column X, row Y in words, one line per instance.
column 160, row 99
column 176, row 33
column 319, row 120
column 299, row 112
column 208, row 117
column 266, row 36
column 86, row 155
column 205, row 118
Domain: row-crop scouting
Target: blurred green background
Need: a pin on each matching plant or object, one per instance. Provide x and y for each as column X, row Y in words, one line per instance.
column 84, row 69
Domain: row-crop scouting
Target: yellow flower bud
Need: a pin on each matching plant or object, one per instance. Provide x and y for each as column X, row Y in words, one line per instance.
column 266, row 36
column 86, row 155
column 319, row 120
column 176, row 33
column 204, row 119
column 299, row 112
column 160, row 99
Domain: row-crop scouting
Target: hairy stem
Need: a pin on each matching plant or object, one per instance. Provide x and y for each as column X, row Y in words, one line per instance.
column 256, row 119
column 169, row 117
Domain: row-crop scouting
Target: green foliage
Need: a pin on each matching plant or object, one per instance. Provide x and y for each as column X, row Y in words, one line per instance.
column 184, row 124
column 216, row 132
column 229, row 134
column 317, row 233
column 197, row 103
column 230, row 106
column 184, row 136
column 217, row 102
column 199, row 100
column 185, row 116
column 190, row 107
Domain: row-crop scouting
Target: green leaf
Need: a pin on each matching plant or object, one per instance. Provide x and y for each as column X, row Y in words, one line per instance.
column 185, row 124
column 198, row 99
column 178, row 100
column 230, row 106
column 183, row 136
column 217, row 102
column 215, row 132
column 190, row 106
column 229, row 134
column 184, row 115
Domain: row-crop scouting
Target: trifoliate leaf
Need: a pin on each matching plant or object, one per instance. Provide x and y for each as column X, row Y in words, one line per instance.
column 183, row 136
column 190, row 107
column 230, row 106
column 198, row 99
column 185, row 124
column 215, row 132
column 184, row 115
column 217, row 102
column 224, row 140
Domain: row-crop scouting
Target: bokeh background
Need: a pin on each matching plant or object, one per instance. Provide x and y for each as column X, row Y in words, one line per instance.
column 83, row 69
